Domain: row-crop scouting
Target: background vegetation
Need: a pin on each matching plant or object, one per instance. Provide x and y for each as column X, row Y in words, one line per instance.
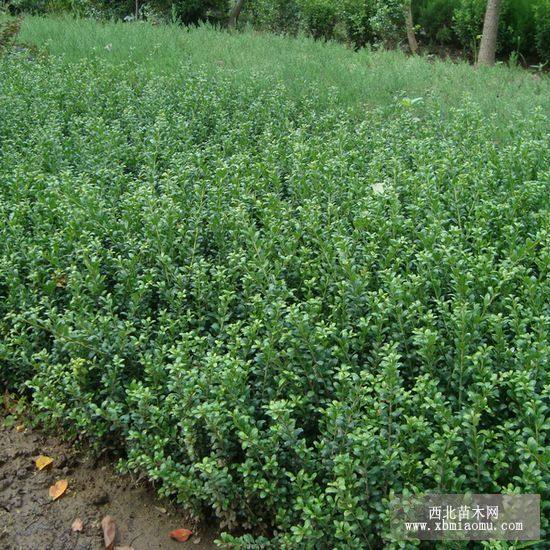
column 355, row 80
column 441, row 25
column 285, row 280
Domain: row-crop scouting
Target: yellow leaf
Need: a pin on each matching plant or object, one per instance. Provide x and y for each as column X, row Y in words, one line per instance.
column 20, row 428
column 58, row 489
column 43, row 462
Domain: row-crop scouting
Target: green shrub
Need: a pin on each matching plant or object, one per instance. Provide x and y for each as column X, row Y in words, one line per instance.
column 185, row 11
column 9, row 31
column 274, row 15
column 523, row 26
column 435, row 18
column 541, row 11
column 191, row 11
column 27, row 6
column 355, row 16
column 387, row 21
column 468, row 22
column 319, row 16
column 278, row 310
column 518, row 26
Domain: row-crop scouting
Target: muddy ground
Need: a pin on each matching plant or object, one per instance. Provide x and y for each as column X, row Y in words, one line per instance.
column 30, row 520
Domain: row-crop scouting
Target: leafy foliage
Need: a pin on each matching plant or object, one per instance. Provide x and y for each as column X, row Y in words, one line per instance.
column 542, row 28
column 185, row 11
column 520, row 28
column 9, row 31
column 320, row 17
column 435, row 19
column 387, row 20
column 523, row 26
column 451, row 23
column 280, row 311
column 468, row 21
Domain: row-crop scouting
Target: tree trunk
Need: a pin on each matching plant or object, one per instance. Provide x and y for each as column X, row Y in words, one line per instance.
column 413, row 44
column 488, row 45
column 234, row 15
column 137, row 10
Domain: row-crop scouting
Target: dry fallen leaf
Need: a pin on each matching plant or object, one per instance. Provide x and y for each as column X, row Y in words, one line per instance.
column 20, row 428
column 61, row 280
column 77, row 525
column 181, row 535
column 58, row 489
column 43, row 462
column 9, row 403
column 109, row 532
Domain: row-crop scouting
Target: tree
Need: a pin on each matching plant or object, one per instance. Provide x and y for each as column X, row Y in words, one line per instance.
column 234, row 15
column 488, row 45
column 413, row 44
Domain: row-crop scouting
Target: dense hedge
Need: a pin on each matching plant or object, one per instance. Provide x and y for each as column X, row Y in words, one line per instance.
column 280, row 313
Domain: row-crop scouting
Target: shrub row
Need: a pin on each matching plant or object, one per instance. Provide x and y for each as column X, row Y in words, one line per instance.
column 280, row 314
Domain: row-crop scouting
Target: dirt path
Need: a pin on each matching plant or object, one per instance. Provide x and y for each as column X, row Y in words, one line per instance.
column 29, row 520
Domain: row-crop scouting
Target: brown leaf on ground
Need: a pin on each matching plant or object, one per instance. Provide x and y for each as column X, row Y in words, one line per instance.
column 109, row 532
column 58, row 489
column 77, row 525
column 43, row 461
column 181, row 535
column 20, row 428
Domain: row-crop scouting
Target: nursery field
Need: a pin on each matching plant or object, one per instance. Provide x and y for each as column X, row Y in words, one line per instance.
column 283, row 280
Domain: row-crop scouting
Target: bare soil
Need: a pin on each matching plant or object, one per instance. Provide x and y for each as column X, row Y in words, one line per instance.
column 30, row 520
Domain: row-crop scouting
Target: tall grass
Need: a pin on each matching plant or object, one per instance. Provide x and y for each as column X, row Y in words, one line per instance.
column 358, row 80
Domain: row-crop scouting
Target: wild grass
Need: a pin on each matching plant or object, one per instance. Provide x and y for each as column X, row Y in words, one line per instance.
column 333, row 73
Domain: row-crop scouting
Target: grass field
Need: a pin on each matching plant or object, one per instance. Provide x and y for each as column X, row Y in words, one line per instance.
column 328, row 71
column 285, row 280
